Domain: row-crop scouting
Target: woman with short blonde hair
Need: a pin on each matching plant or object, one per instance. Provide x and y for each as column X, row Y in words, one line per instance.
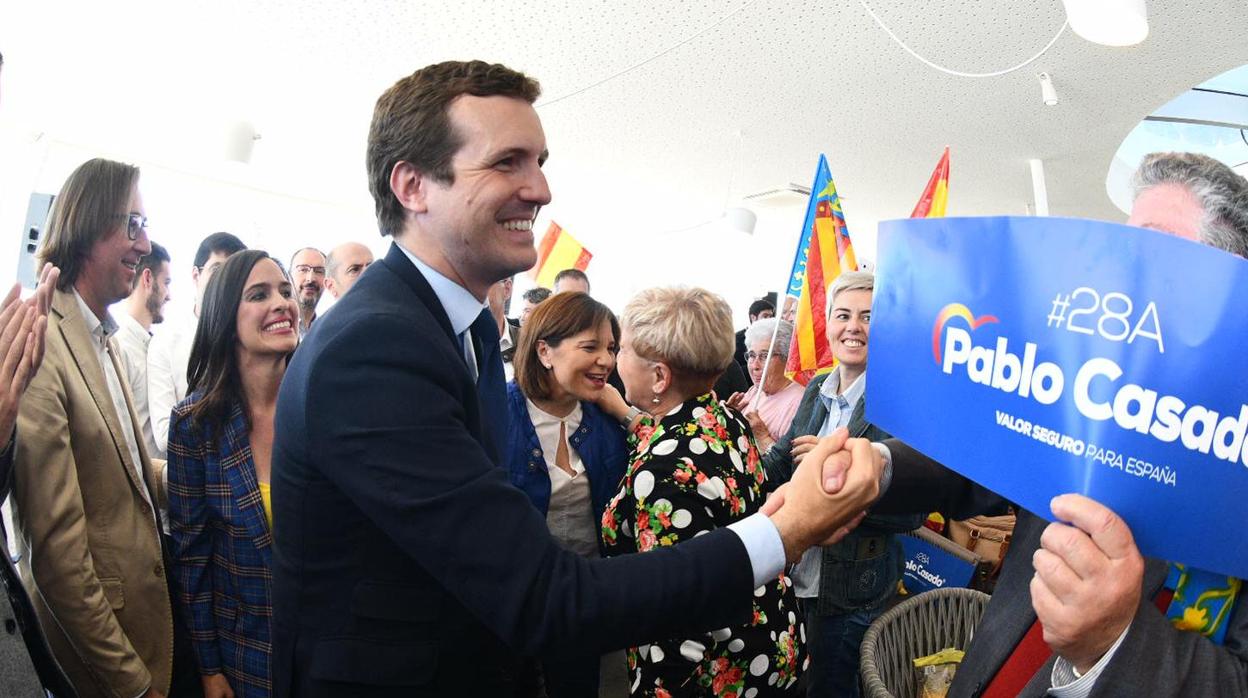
column 694, row 468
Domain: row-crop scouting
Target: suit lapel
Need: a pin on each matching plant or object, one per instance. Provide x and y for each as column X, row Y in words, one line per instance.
column 149, row 472
column 492, row 368
column 1009, row 614
column 239, row 469
column 819, row 411
column 397, row 262
column 81, row 345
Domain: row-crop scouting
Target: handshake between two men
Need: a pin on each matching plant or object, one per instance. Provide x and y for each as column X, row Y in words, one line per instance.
column 837, row 479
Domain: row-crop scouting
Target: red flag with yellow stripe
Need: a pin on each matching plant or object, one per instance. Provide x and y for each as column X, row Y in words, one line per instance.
column 936, row 196
column 558, row 251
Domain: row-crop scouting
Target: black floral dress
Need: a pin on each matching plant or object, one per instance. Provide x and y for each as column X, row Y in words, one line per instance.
column 697, row 469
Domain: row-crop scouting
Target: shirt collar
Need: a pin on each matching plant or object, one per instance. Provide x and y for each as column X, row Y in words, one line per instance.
column 504, row 342
column 100, row 330
column 461, row 307
column 126, row 321
column 541, row 417
column 831, row 388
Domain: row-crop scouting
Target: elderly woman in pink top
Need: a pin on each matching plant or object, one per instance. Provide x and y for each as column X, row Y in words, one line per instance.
column 770, row 417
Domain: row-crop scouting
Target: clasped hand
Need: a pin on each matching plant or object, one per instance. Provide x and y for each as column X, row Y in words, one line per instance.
column 1088, row 572
column 828, row 494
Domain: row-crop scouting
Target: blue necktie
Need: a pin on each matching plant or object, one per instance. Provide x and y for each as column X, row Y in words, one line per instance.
column 491, row 383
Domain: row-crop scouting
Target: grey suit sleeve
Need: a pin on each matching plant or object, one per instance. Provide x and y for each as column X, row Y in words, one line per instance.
column 1157, row 660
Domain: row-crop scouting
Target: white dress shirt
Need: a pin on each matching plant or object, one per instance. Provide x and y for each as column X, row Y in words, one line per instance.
column 504, row 343
column 101, row 334
column 570, row 515
column 133, row 341
column 757, row 532
column 168, row 357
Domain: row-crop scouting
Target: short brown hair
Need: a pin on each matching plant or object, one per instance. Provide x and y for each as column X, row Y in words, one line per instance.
column 410, row 124
column 554, row 320
column 84, row 212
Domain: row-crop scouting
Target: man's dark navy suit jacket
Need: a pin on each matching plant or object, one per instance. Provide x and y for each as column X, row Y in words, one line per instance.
column 405, row 563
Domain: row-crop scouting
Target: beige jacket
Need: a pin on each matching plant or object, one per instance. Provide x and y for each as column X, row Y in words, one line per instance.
column 91, row 552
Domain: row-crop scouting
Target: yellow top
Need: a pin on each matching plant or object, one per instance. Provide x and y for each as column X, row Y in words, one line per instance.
column 266, row 496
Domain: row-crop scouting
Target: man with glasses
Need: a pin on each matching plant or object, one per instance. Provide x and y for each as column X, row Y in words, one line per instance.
column 85, row 492
column 307, row 270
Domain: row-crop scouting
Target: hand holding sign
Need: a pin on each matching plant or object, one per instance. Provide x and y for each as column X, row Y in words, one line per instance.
column 1087, row 584
column 1054, row 355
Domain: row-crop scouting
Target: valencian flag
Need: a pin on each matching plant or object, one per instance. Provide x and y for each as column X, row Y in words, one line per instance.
column 936, row 195
column 558, row 251
column 823, row 252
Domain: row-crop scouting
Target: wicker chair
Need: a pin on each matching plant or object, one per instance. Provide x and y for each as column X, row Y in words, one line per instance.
column 917, row 627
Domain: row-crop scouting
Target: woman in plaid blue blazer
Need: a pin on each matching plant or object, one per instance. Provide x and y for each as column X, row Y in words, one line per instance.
column 220, row 442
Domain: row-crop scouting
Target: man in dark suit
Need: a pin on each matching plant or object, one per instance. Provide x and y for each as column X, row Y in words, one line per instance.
column 405, row 562
column 1075, row 611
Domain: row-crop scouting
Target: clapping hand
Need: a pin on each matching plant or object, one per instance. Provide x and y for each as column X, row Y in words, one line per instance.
column 22, row 329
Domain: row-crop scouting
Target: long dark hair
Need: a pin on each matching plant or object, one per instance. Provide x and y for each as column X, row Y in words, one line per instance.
column 213, row 368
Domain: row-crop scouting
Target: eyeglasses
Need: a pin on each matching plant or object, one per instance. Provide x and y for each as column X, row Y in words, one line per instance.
column 135, row 223
column 308, row 269
column 756, row 355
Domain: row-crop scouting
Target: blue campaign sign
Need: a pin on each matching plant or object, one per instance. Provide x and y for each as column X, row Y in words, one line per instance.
column 929, row 567
column 1040, row 356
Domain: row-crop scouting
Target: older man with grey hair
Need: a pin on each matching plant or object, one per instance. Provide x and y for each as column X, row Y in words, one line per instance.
column 1049, row 631
column 1192, row 196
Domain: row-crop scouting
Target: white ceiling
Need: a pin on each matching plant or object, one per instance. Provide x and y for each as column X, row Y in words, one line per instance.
column 656, row 149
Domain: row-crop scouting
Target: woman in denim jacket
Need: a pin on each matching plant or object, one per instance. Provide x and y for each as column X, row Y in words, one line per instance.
column 562, row 451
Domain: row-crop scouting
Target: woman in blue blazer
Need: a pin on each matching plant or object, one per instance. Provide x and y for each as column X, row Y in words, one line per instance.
column 563, row 451
column 220, row 443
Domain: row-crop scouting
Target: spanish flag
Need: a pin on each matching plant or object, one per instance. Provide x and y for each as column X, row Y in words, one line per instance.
column 936, row 195
column 823, row 252
column 558, row 251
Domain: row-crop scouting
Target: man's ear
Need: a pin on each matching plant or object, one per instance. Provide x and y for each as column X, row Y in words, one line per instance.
column 410, row 186
column 329, row 285
column 147, row 280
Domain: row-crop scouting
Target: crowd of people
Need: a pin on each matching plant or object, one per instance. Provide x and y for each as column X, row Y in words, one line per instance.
column 414, row 495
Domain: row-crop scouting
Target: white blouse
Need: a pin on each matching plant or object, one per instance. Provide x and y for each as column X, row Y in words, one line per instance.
column 570, row 515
